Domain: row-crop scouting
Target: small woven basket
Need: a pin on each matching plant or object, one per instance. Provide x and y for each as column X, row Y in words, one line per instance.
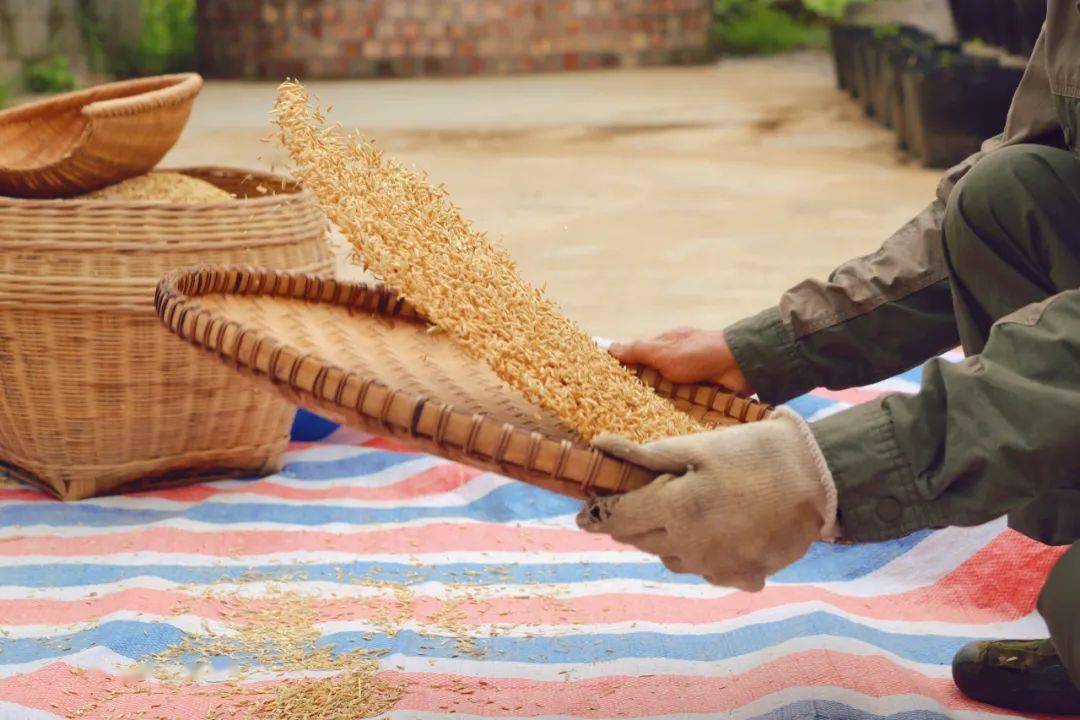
column 97, row 397
column 365, row 358
column 81, row 141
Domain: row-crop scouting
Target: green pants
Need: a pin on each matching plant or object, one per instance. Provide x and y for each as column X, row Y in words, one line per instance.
column 1012, row 240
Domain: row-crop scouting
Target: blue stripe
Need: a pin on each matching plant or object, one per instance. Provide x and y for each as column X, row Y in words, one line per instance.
column 825, row 562
column 914, row 375
column 308, row 427
column 139, row 639
column 857, row 560
column 354, row 466
column 514, row 501
column 808, row 405
column 832, row 710
column 132, row 639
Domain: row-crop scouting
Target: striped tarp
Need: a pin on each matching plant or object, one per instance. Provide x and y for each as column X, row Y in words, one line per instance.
column 568, row 625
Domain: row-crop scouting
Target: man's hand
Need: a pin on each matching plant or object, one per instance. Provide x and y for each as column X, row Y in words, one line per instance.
column 744, row 503
column 687, row 355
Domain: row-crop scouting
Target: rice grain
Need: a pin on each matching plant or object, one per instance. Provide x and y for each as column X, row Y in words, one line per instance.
column 163, row 186
column 409, row 233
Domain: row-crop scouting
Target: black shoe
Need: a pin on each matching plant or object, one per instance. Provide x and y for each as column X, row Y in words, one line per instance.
column 1022, row 675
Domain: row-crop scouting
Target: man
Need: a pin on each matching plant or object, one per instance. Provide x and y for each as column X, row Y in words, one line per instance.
column 994, row 263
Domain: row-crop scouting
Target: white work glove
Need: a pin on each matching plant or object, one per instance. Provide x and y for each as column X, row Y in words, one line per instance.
column 746, row 501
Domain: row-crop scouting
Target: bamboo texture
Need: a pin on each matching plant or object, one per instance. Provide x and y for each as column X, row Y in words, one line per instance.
column 81, row 141
column 98, row 397
column 364, row 357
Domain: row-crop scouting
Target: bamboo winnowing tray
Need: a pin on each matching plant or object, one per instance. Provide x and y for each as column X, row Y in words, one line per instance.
column 365, row 358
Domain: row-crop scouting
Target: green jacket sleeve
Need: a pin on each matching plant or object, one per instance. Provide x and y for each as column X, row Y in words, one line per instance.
column 881, row 314
column 982, row 437
column 874, row 317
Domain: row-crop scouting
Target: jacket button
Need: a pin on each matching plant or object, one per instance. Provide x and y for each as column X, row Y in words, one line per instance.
column 889, row 510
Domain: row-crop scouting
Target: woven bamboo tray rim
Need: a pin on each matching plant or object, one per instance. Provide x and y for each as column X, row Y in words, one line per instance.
column 366, row 403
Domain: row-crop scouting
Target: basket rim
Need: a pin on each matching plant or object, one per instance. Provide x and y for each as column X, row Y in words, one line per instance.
column 296, row 191
column 571, row 467
column 123, row 97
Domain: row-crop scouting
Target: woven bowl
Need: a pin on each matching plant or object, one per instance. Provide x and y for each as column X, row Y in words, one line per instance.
column 365, row 358
column 81, row 141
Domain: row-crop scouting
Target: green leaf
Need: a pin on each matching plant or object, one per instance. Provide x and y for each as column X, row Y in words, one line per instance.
column 51, row 75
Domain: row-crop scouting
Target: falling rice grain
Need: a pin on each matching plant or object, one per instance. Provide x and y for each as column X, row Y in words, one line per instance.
column 410, row 233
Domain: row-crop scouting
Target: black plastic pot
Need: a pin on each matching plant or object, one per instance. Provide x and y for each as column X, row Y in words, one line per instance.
column 1010, row 33
column 859, row 73
column 1010, row 24
column 954, row 103
column 1030, row 15
column 966, row 17
column 897, row 50
column 915, row 63
column 873, row 60
column 843, row 42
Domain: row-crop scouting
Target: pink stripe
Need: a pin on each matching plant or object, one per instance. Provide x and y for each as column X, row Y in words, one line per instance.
column 411, row 487
column 436, row 537
column 442, row 478
column 58, row 689
column 961, row 597
column 383, row 443
column 851, row 396
column 23, row 494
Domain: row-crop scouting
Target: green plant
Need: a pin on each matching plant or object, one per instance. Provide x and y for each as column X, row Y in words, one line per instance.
column 765, row 26
column 827, row 8
column 93, row 31
column 53, row 74
column 5, row 91
column 167, row 43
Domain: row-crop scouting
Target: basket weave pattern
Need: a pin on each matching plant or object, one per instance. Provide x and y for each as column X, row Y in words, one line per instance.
column 97, row 396
column 365, row 358
column 84, row 140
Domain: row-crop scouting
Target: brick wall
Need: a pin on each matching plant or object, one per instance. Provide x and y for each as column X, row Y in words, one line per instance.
column 385, row 38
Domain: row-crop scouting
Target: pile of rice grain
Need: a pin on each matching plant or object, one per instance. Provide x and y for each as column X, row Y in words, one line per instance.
column 164, row 186
column 349, row 696
column 409, row 233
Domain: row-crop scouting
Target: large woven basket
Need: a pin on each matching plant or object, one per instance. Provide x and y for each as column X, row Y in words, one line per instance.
column 81, row 141
column 363, row 357
column 97, row 397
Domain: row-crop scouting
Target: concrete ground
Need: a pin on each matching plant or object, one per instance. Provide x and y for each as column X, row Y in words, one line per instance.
column 641, row 199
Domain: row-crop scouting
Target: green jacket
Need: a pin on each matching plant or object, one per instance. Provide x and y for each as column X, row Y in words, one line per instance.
column 898, row 465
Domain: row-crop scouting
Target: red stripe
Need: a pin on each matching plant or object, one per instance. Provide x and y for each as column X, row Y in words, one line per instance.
column 977, row 592
column 392, row 445
column 442, row 478
column 435, row 537
column 58, row 689
column 23, row 494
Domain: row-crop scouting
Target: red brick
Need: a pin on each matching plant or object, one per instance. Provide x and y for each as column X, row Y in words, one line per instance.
column 410, row 30
column 360, row 38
